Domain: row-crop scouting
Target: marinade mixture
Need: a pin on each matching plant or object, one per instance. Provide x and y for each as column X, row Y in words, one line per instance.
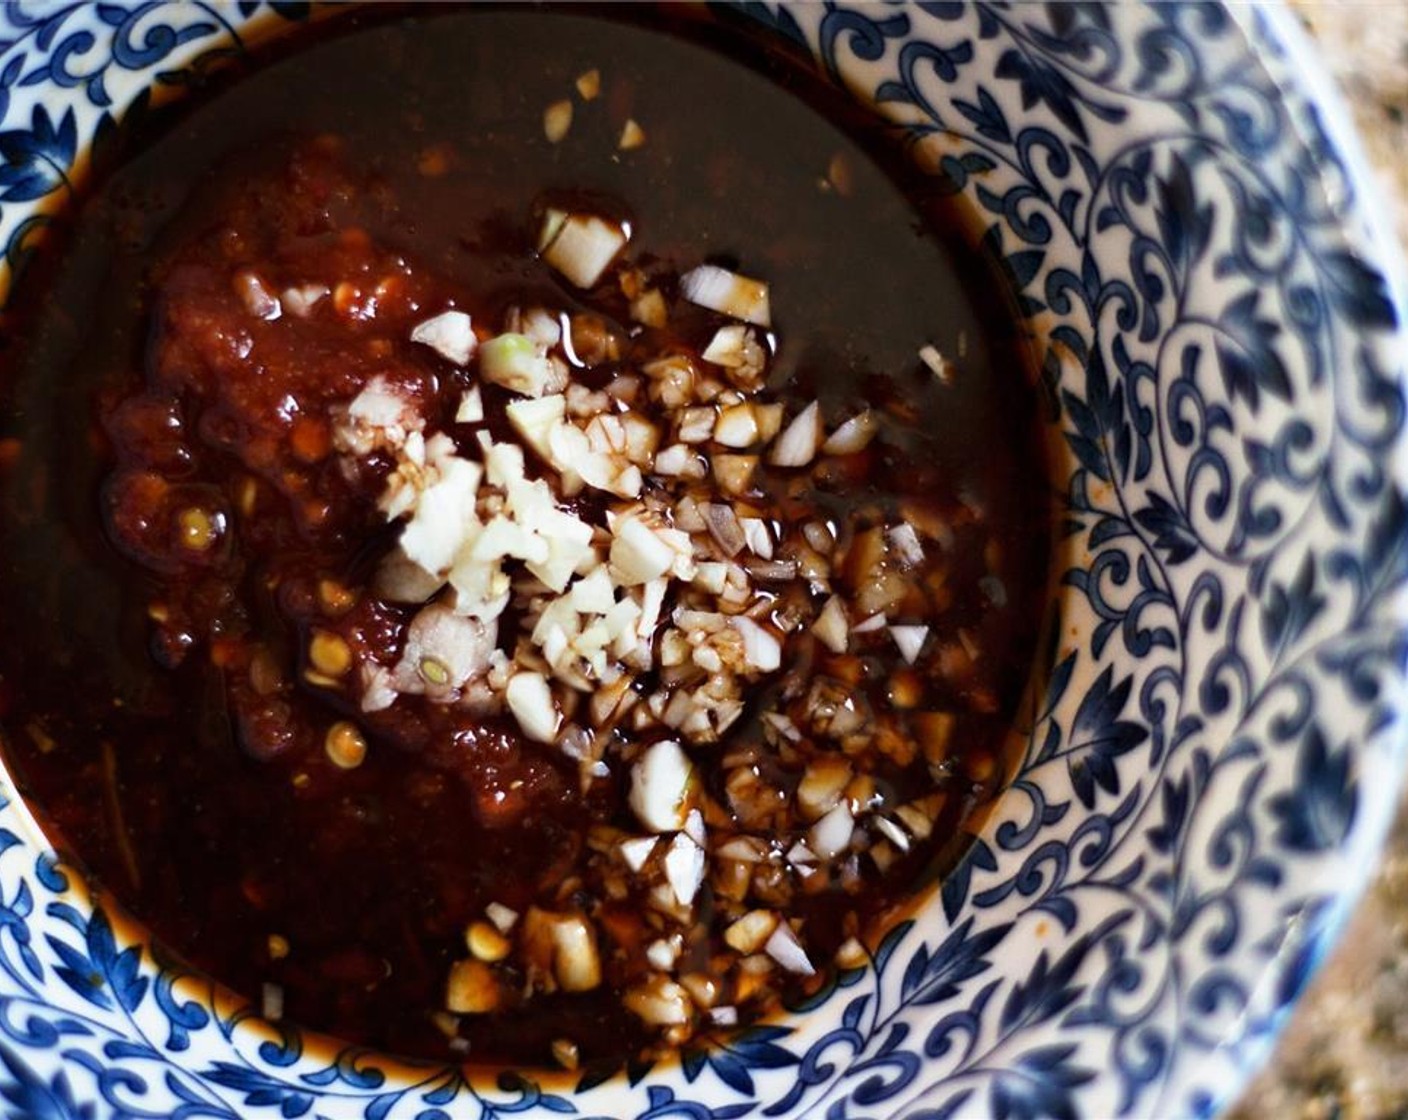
column 521, row 532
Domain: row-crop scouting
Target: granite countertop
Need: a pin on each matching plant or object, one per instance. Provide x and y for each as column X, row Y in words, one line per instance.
column 1344, row 1055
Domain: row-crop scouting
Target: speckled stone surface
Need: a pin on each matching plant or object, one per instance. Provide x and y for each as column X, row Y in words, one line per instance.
column 1344, row 1055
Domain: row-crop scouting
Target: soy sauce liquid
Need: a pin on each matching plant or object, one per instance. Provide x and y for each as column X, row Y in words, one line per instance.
column 134, row 767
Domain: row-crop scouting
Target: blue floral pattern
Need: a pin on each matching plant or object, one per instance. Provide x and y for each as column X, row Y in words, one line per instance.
column 1215, row 752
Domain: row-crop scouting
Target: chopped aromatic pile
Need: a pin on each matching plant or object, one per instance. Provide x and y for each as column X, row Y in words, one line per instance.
column 621, row 573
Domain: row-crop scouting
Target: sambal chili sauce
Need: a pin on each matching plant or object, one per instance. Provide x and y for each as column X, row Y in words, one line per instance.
column 522, row 539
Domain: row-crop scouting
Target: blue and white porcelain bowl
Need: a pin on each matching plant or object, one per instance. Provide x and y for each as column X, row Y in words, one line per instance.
column 1212, row 766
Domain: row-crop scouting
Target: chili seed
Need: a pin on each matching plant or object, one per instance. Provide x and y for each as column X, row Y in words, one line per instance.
column 329, row 654
column 335, row 598
column 198, row 529
column 434, row 671
column 345, row 745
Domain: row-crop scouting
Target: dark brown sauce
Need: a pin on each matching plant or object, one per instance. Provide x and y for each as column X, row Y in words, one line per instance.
column 138, row 768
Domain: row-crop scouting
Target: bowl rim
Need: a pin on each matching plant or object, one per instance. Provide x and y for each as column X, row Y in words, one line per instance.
column 1365, row 232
